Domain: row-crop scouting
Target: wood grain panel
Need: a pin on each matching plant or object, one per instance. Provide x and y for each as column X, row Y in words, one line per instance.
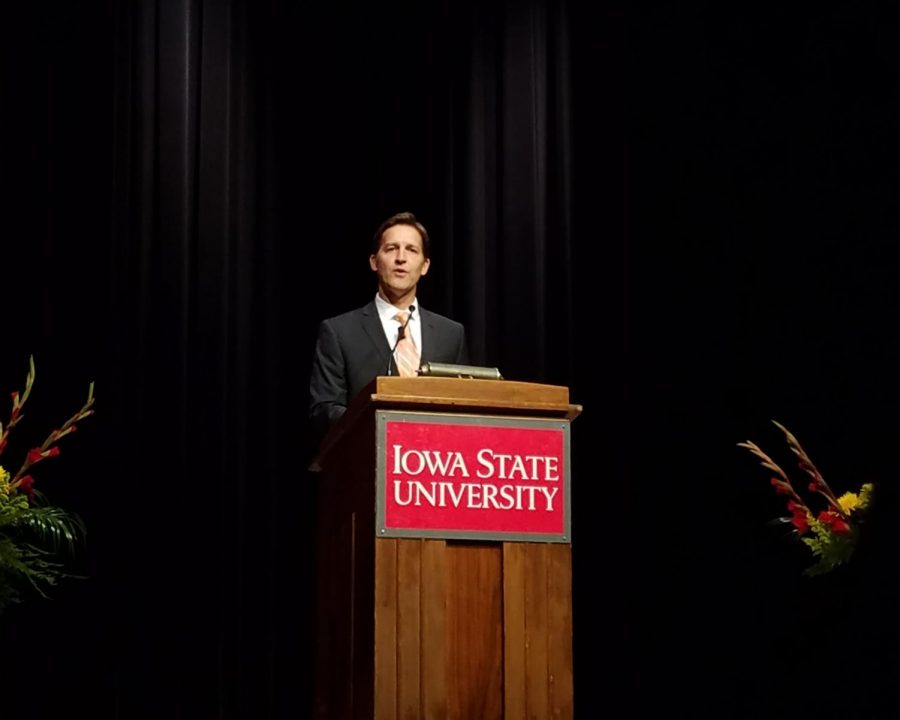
column 514, row 631
column 560, row 632
column 409, row 589
column 474, row 631
column 385, row 682
column 434, row 629
column 536, row 630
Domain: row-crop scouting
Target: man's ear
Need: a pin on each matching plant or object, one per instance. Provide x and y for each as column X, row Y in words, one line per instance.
column 425, row 266
column 372, row 263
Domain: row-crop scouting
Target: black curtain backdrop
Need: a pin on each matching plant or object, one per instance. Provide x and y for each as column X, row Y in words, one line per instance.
column 686, row 216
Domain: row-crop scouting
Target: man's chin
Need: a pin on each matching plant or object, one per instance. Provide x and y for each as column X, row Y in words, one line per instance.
column 393, row 293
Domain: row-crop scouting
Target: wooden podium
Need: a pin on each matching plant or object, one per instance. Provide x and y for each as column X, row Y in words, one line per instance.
column 427, row 627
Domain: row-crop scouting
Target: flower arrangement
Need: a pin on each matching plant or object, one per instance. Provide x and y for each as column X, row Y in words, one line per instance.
column 32, row 531
column 831, row 533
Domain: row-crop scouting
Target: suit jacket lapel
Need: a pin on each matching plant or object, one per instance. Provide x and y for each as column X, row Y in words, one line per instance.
column 427, row 334
column 372, row 325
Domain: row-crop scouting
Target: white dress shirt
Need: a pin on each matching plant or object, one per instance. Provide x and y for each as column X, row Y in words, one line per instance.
column 387, row 312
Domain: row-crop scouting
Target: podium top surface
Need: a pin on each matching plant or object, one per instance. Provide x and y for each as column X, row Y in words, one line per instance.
column 491, row 392
column 467, row 394
column 462, row 395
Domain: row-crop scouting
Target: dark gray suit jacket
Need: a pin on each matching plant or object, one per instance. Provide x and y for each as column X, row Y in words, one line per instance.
column 352, row 350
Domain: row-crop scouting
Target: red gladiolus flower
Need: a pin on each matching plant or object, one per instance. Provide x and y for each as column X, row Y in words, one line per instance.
column 798, row 516
column 27, row 485
column 834, row 521
column 799, row 521
column 780, row 486
column 36, row 454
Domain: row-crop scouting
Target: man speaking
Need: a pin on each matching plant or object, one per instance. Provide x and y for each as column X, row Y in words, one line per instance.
column 391, row 335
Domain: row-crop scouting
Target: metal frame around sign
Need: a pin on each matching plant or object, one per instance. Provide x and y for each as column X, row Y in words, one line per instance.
column 383, row 417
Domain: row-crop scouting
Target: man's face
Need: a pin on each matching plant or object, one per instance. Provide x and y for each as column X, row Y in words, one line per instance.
column 399, row 262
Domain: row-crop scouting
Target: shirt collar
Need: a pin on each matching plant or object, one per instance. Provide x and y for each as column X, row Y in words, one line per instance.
column 386, row 311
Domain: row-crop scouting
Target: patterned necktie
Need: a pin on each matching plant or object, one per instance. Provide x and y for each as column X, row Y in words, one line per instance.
column 407, row 355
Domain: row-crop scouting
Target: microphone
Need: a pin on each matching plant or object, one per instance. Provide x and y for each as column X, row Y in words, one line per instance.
column 400, row 335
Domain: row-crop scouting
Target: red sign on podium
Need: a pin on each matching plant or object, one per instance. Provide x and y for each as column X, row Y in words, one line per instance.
column 472, row 477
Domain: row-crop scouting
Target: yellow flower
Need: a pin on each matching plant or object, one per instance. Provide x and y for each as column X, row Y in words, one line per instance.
column 849, row 502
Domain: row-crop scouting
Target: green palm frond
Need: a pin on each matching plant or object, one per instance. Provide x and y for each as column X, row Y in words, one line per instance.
column 28, row 550
column 54, row 527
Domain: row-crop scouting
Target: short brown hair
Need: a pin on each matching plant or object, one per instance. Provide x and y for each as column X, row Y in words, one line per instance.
column 403, row 218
